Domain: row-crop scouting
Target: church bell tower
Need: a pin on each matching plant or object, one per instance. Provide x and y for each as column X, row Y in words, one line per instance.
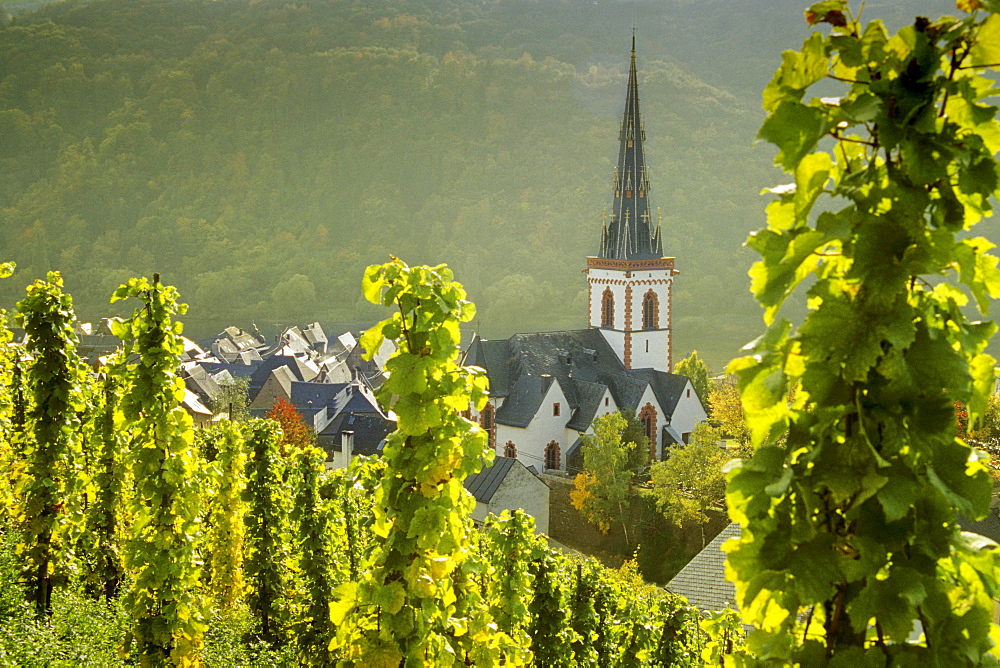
column 630, row 282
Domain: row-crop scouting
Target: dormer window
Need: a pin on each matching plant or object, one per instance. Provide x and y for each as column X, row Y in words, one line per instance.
column 555, row 409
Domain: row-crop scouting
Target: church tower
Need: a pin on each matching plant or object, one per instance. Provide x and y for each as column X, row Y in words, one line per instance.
column 630, row 281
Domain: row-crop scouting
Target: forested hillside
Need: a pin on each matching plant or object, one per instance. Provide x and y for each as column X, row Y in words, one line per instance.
column 260, row 154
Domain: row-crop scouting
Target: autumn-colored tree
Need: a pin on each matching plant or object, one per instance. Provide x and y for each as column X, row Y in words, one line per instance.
column 726, row 411
column 692, row 481
column 296, row 434
column 602, row 489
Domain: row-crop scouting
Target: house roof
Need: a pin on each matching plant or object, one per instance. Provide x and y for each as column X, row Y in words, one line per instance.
column 522, row 368
column 588, row 399
column 989, row 527
column 484, row 484
column 369, row 429
column 524, row 400
column 703, row 581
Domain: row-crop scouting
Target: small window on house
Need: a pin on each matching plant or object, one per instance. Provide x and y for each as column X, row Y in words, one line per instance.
column 555, row 409
column 688, row 392
column 607, row 401
column 686, row 437
column 647, row 345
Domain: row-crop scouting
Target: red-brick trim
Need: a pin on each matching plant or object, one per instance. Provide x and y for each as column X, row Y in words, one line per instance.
column 648, row 418
column 634, row 265
column 670, row 326
column 487, row 420
column 651, row 296
column 552, row 455
column 628, row 308
column 608, row 308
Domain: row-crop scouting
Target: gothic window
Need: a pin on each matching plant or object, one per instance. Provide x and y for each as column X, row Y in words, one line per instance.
column 486, row 422
column 552, row 455
column 650, row 311
column 510, row 450
column 647, row 416
column 607, row 309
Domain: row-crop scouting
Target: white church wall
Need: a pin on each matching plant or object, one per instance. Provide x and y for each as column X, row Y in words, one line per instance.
column 688, row 411
column 546, row 427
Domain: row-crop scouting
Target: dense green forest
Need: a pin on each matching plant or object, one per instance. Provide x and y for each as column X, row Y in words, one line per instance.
column 260, row 154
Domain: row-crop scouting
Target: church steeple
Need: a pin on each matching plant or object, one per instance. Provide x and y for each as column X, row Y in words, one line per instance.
column 631, row 233
column 630, row 282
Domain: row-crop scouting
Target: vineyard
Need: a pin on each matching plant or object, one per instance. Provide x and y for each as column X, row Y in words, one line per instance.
column 130, row 537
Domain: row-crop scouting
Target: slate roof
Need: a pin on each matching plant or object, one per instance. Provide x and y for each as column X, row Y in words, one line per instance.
column 989, row 527
column 631, row 233
column 308, row 398
column 522, row 368
column 703, row 582
column 524, row 400
column 483, row 485
column 369, row 429
column 588, row 397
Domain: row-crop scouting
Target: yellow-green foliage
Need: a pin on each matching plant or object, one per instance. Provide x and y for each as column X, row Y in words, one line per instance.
column 403, row 608
column 227, row 529
column 849, row 524
column 164, row 599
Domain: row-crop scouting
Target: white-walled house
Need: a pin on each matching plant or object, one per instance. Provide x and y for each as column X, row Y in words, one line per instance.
column 547, row 388
column 506, row 484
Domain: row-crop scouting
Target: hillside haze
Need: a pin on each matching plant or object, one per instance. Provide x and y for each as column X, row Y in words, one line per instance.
column 259, row 155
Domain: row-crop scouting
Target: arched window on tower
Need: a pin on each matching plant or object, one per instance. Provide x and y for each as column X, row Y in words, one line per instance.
column 552, row 455
column 608, row 308
column 650, row 311
column 510, row 450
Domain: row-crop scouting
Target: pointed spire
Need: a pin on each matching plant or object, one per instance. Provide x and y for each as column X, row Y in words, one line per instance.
column 630, row 233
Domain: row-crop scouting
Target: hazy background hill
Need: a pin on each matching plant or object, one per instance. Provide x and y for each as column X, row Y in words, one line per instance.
column 260, row 154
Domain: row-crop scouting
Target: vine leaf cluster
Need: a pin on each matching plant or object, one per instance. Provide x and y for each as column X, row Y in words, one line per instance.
column 408, row 604
column 850, row 538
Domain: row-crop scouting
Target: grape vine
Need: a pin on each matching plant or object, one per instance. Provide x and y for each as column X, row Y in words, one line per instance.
column 52, row 485
column 403, row 608
column 164, row 600
column 850, row 539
